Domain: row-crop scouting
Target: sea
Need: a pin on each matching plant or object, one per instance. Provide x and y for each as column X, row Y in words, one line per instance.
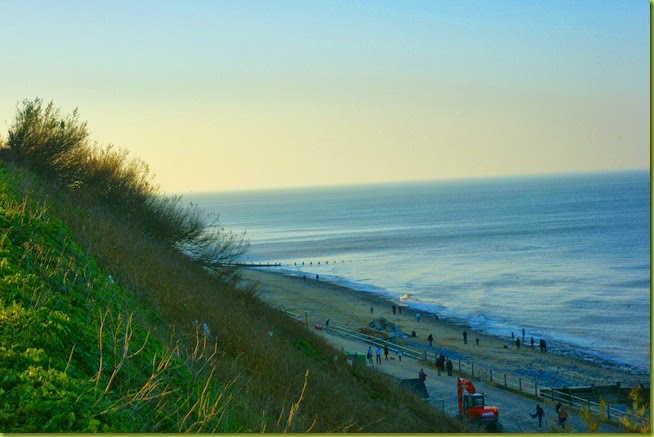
column 565, row 257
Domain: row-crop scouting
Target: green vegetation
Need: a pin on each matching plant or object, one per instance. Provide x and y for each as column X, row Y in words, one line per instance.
column 638, row 421
column 102, row 281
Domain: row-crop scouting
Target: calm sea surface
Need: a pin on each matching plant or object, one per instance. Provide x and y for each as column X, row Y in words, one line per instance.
column 567, row 258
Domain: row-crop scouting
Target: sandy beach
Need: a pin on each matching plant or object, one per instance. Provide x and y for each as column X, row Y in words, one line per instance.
column 318, row 301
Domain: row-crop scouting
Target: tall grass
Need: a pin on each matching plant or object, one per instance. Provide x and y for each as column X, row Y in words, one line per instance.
column 57, row 147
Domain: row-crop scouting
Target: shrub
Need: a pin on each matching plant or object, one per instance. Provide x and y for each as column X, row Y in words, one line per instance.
column 106, row 178
column 40, row 137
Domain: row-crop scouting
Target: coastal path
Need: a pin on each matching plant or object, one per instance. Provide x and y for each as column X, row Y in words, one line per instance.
column 515, row 408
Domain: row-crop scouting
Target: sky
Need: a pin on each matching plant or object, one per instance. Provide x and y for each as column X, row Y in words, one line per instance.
column 238, row 95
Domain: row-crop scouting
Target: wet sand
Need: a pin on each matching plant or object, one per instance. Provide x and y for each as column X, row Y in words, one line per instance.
column 349, row 308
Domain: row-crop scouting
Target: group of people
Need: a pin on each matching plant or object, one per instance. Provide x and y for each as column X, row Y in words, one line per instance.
column 443, row 364
column 378, row 353
column 542, row 345
column 561, row 413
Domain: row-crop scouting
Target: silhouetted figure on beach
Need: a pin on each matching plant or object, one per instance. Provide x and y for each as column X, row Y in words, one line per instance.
column 413, row 333
column 477, row 341
column 399, row 308
column 449, row 367
column 465, row 337
column 418, row 315
column 517, row 343
column 385, row 352
column 532, row 342
column 394, row 308
column 542, row 345
column 422, row 375
column 372, row 310
column 430, row 339
column 317, row 278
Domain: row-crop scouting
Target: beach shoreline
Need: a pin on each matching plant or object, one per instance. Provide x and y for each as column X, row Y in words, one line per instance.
column 317, row 301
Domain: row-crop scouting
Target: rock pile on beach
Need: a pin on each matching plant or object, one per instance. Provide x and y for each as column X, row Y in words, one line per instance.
column 390, row 329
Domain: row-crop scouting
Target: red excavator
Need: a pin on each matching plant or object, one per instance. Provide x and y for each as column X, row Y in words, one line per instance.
column 472, row 405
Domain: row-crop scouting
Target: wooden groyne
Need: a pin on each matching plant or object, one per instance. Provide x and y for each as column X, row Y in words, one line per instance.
column 258, row 264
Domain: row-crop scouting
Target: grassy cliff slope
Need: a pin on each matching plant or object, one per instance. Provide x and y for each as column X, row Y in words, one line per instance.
column 102, row 328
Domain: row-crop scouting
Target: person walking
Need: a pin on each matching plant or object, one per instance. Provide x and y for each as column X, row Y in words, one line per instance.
column 539, row 413
column 563, row 417
column 430, row 339
column 378, row 354
column 369, row 354
column 440, row 364
column 422, row 375
column 399, row 354
column 517, row 343
column 449, row 367
column 465, row 337
column 394, row 308
column 385, row 352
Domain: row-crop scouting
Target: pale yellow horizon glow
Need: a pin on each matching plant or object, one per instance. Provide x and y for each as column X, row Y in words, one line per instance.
column 225, row 96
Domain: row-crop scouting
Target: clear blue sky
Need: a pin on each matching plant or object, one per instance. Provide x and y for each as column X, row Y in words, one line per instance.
column 225, row 95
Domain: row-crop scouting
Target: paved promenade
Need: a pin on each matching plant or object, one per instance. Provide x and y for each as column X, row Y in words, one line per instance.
column 515, row 409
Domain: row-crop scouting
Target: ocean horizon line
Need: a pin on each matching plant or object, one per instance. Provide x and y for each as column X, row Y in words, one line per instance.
column 409, row 182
